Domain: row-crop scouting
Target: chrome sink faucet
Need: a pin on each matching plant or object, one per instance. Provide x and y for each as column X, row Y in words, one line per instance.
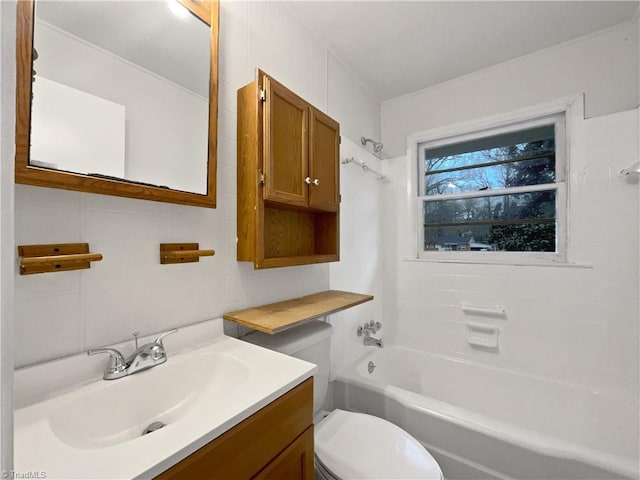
column 367, row 329
column 144, row 357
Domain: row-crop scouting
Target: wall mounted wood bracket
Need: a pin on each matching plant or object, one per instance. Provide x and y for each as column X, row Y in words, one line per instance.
column 182, row 253
column 55, row 257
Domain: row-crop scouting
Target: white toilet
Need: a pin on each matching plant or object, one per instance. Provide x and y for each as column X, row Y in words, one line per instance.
column 349, row 445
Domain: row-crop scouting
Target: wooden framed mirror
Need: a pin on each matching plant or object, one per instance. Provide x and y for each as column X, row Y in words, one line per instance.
column 119, row 98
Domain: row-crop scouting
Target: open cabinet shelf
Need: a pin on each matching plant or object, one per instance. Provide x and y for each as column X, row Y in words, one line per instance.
column 297, row 237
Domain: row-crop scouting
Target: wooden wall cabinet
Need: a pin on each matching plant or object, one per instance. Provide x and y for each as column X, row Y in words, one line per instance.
column 288, row 178
column 275, row 442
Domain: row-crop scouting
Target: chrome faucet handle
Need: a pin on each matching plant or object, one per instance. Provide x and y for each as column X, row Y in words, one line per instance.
column 117, row 365
column 372, row 326
column 160, row 337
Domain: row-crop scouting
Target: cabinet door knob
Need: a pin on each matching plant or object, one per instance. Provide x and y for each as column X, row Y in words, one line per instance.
column 307, row 180
column 316, row 181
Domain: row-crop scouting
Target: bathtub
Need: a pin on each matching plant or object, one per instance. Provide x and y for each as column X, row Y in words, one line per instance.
column 485, row 422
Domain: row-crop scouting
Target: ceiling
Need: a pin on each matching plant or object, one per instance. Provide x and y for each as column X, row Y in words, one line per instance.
column 399, row 47
column 146, row 33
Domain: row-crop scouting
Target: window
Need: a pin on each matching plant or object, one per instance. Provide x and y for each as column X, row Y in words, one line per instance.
column 500, row 190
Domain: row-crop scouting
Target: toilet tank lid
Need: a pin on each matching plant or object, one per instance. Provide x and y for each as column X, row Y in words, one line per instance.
column 293, row 339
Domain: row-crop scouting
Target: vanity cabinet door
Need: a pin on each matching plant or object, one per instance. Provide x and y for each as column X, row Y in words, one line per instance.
column 276, row 433
column 295, row 463
column 324, row 153
column 286, row 151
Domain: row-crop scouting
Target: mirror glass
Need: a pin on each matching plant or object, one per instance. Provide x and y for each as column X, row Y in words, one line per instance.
column 121, row 90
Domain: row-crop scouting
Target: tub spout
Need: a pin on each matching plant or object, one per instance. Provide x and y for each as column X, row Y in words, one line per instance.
column 372, row 341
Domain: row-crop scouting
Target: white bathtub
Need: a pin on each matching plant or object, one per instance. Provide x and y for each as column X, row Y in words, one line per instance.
column 485, row 422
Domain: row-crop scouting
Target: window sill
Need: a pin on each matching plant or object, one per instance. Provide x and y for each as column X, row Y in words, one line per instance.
column 504, row 261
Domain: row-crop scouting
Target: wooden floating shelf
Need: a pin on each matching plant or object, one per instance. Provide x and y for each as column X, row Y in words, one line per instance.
column 55, row 257
column 279, row 316
column 182, row 253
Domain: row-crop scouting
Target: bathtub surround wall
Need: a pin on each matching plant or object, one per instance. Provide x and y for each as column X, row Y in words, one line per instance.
column 7, row 246
column 361, row 252
column 576, row 324
column 68, row 312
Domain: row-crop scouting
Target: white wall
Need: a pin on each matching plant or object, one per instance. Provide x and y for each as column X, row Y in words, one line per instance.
column 361, row 253
column 564, row 323
column 605, row 66
column 67, row 312
column 348, row 99
column 7, row 246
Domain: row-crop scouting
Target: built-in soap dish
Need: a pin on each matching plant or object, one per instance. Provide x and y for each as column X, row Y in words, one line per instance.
column 480, row 335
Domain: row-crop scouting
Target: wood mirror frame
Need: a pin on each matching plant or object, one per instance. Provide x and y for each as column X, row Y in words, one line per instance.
column 205, row 10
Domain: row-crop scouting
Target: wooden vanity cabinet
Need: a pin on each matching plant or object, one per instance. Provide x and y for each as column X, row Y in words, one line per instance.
column 288, row 178
column 275, row 442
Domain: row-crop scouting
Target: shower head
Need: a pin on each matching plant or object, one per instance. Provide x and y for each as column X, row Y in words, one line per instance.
column 377, row 146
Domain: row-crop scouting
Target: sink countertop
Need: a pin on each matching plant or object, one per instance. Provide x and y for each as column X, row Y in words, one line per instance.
column 38, row 448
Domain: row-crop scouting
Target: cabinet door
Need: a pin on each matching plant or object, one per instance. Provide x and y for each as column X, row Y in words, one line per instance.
column 294, row 463
column 243, row 451
column 285, row 145
column 324, row 161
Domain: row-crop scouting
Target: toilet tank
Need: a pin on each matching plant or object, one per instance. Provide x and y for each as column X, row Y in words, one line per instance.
column 310, row 342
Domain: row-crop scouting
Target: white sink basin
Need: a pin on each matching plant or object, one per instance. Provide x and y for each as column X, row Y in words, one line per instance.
column 118, row 411
column 94, row 429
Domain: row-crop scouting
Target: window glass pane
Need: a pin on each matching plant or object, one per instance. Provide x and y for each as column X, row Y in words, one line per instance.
column 514, row 208
column 513, row 174
column 526, row 143
column 531, row 237
column 482, row 168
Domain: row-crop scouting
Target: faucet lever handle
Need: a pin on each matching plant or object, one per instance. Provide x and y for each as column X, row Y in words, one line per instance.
column 117, row 362
column 160, row 337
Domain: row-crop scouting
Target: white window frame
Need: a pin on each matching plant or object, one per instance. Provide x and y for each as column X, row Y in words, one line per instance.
column 563, row 113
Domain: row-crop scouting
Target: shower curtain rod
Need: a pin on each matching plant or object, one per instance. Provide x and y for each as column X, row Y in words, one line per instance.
column 364, row 167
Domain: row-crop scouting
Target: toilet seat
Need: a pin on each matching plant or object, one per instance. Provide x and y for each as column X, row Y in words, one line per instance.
column 353, row 445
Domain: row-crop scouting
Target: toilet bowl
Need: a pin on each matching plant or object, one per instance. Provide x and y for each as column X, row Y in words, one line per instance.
column 350, row 445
